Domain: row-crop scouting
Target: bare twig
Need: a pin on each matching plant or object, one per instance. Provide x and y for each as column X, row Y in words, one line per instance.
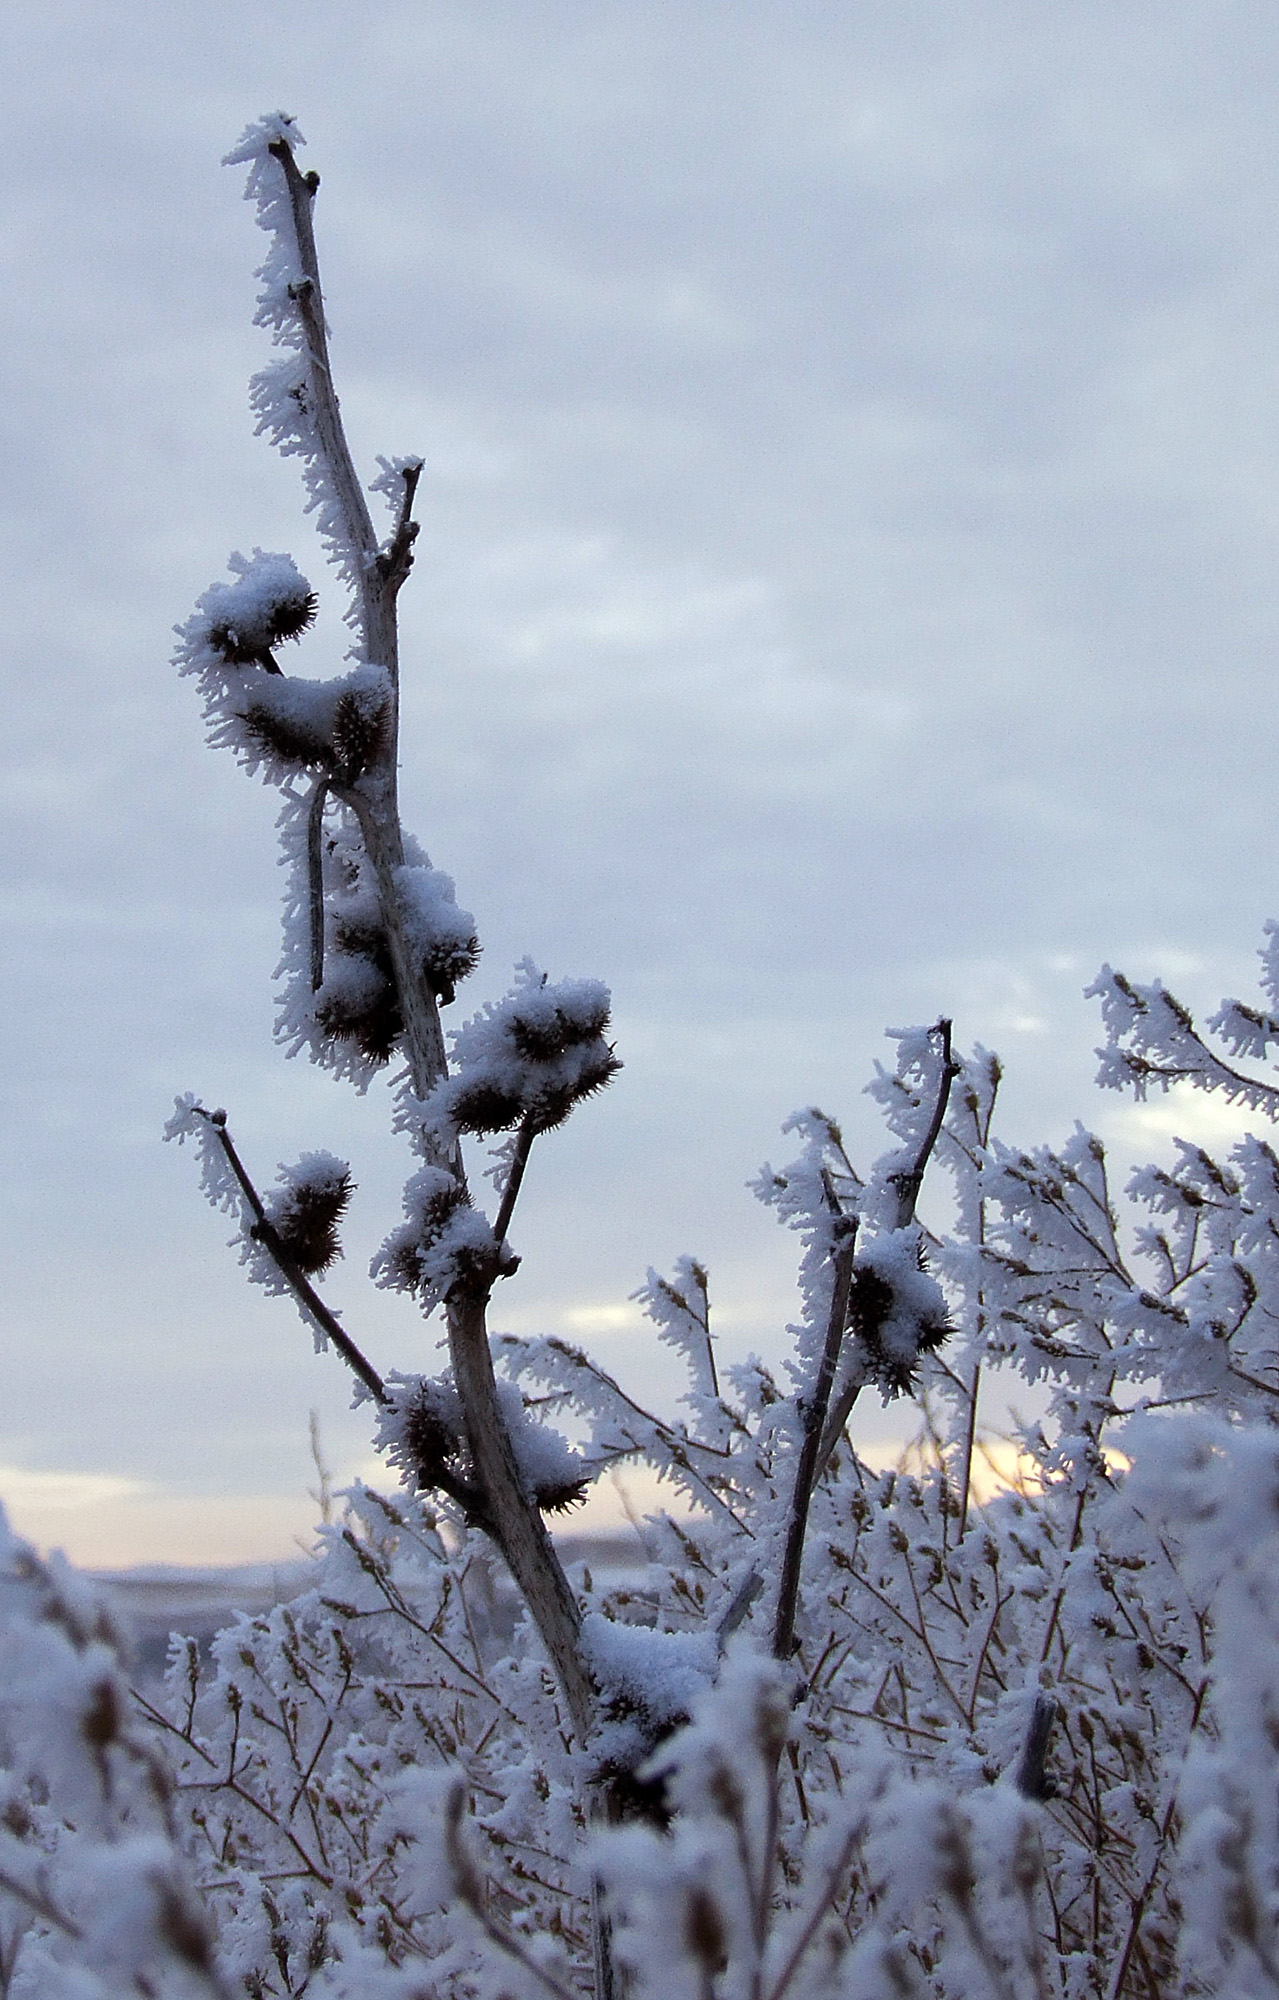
column 396, row 560
column 909, row 1180
column 514, row 1179
column 970, row 1444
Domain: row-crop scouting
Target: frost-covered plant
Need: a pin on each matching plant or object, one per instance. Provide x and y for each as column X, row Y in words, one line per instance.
column 96, row 1898
column 841, row 1730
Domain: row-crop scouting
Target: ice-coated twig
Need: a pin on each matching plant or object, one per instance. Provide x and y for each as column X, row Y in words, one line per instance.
column 373, row 797
column 308, row 296
column 468, row 1887
column 908, row 1182
column 815, row 1408
column 264, row 1232
column 513, row 1516
column 315, row 877
column 396, row 560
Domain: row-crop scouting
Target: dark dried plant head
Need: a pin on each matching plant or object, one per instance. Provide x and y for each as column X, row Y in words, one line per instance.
column 552, row 1105
column 243, row 641
column 892, row 1332
column 306, row 1215
column 288, row 738
column 359, row 732
column 542, row 1034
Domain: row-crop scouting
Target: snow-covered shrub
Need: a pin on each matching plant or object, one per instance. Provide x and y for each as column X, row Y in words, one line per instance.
column 96, row 1897
column 841, row 1731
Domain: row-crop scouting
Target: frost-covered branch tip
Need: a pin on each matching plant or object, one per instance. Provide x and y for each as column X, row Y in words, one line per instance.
column 295, row 1229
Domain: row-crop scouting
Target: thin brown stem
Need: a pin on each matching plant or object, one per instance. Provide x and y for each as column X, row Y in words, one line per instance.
column 514, row 1180
column 512, row 1515
column 396, row 560
column 814, row 1420
column 299, row 1284
column 909, row 1181
column 315, row 877
column 970, row 1445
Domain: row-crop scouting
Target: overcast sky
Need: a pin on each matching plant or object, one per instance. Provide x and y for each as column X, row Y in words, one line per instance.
column 846, row 593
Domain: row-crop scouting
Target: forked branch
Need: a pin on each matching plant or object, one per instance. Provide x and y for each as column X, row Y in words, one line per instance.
column 908, row 1181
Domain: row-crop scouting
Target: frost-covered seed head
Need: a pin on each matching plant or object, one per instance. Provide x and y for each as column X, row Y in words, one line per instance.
column 358, row 1001
column 433, row 1439
column 287, row 738
column 433, row 1200
column 543, row 1029
column 269, row 602
column 483, row 1105
column 448, row 962
column 358, row 734
column 896, row 1318
column 306, row 1211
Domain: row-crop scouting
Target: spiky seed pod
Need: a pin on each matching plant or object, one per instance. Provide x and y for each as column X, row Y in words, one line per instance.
column 249, row 630
column 531, row 1058
column 375, row 1026
column 895, row 1324
column 441, row 935
column 557, row 1497
column 638, row 1784
column 289, row 617
column 541, row 1033
column 358, row 735
column 551, row 1106
column 484, row 1106
column 436, row 1447
column 306, row 1211
column 358, row 1002
column 304, row 724
column 288, row 738
column 447, row 961
column 432, row 1199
